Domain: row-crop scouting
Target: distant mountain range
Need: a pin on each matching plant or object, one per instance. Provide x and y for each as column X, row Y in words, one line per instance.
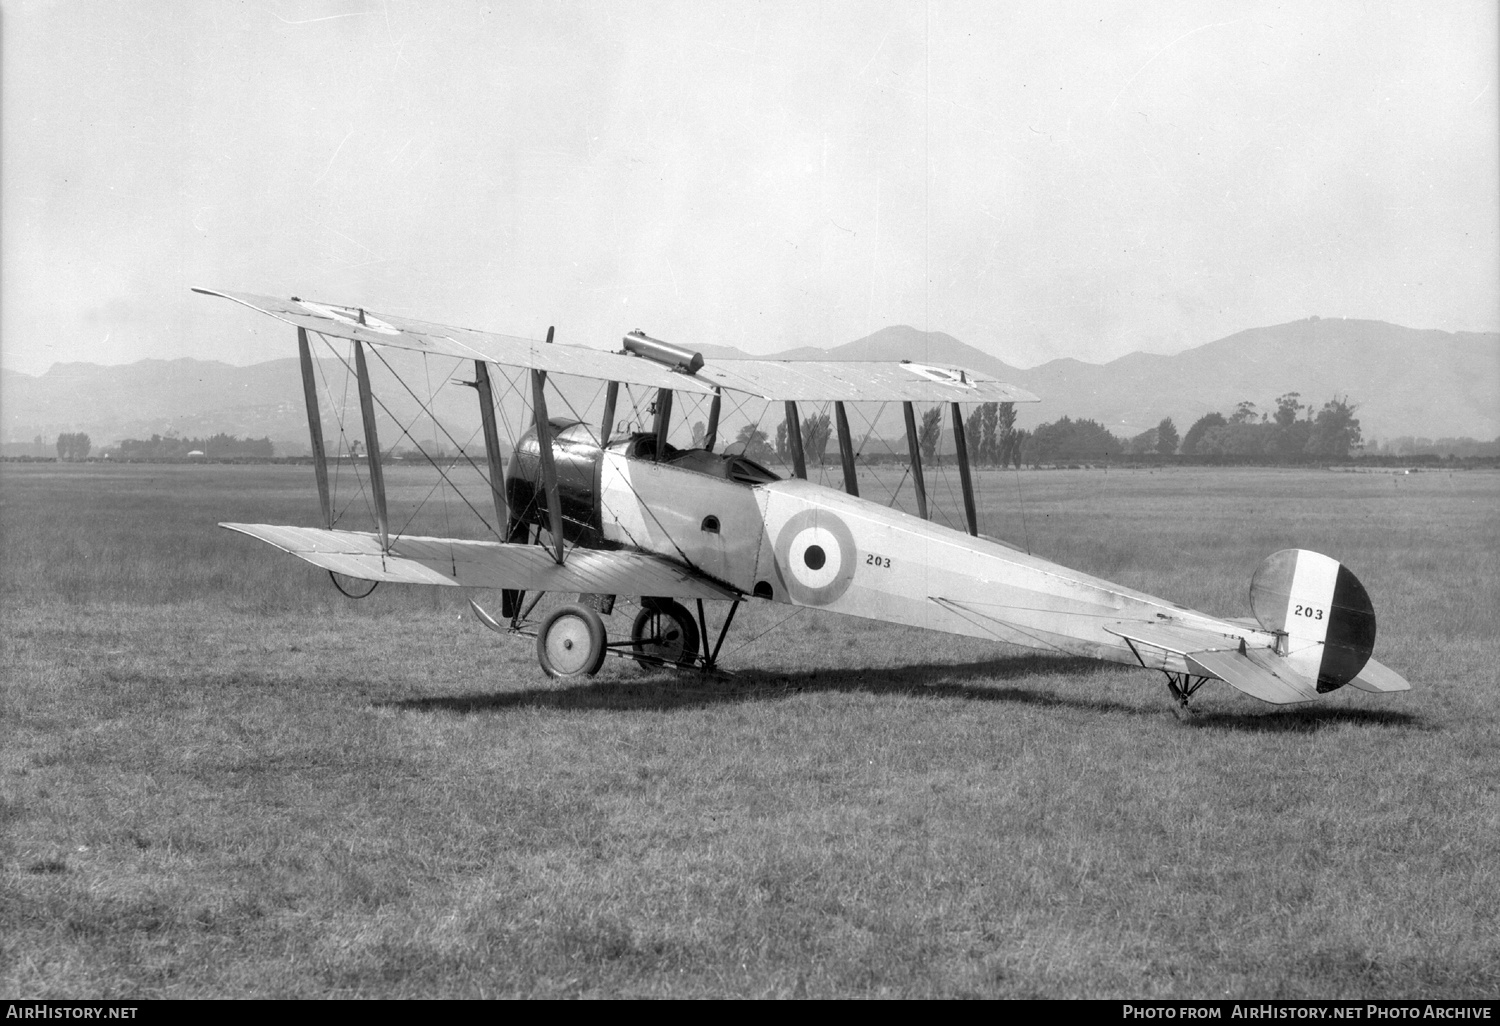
column 1405, row 381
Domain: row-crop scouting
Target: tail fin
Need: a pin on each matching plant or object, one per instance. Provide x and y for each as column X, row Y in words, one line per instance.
column 1323, row 611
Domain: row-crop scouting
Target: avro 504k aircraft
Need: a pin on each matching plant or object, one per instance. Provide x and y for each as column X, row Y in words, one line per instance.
column 600, row 513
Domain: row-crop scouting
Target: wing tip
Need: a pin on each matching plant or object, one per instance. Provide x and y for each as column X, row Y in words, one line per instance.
column 1379, row 679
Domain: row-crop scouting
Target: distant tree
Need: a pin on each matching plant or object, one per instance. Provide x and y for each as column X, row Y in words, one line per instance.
column 781, row 442
column 1335, row 430
column 700, row 434
column 815, row 432
column 1144, row 442
column 1069, row 439
column 930, row 431
column 1244, row 413
column 1287, row 407
column 751, row 442
column 988, row 448
column 1166, row 437
column 73, row 445
column 1202, row 424
column 1007, row 438
column 1018, row 440
column 1237, row 438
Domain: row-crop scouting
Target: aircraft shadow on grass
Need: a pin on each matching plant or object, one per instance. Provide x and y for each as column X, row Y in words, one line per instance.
column 982, row 681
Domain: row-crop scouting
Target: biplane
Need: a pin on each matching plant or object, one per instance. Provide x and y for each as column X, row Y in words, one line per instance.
column 598, row 512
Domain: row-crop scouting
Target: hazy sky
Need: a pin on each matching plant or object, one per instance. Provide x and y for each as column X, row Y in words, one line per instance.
column 1039, row 180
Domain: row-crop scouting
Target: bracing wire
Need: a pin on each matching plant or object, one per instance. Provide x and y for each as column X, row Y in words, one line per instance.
column 338, row 412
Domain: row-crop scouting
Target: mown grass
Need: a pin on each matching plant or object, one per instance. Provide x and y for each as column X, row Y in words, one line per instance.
column 218, row 778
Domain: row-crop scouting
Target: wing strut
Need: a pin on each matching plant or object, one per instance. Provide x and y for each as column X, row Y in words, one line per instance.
column 914, row 452
column 372, row 445
column 846, row 449
column 611, row 397
column 966, row 482
column 544, row 454
column 711, row 436
column 794, row 440
column 663, row 421
column 491, row 443
column 315, row 426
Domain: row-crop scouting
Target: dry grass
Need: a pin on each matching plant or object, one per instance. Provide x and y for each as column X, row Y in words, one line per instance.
column 218, row 778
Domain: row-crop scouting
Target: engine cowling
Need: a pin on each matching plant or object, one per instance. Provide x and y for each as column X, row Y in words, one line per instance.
column 576, row 455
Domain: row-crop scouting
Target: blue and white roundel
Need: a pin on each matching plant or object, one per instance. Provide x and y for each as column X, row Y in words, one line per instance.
column 815, row 552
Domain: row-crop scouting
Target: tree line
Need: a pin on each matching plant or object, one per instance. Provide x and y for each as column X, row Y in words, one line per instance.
column 1291, row 430
column 214, row 447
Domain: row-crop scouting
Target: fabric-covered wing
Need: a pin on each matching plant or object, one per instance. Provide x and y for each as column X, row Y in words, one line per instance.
column 486, row 564
column 466, row 343
column 1258, row 672
column 857, row 381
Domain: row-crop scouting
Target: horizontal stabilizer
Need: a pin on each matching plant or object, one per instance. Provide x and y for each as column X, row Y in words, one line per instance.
column 1376, row 678
column 487, row 564
column 1256, row 672
column 1174, row 637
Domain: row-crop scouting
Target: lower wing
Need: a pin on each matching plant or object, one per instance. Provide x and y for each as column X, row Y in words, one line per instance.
column 487, row 564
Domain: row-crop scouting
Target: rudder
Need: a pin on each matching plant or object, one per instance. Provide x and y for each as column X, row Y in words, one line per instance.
column 1323, row 611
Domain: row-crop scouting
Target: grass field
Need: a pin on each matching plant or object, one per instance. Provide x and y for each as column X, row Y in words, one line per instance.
column 219, row 778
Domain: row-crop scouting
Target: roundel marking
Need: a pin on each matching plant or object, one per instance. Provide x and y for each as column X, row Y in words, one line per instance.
column 815, row 551
column 371, row 323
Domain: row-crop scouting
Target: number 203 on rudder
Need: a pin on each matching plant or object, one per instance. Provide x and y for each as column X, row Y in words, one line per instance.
column 1309, row 611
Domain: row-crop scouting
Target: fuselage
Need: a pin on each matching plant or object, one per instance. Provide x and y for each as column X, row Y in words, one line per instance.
column 797, row 542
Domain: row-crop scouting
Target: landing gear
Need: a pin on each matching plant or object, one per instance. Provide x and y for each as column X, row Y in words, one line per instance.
column 664, row 632
column 571, row 642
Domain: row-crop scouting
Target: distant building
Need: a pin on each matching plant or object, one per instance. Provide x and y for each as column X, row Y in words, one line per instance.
column 196, row 452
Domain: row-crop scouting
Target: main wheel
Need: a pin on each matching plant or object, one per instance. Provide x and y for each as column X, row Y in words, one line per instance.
column 571, row 642
column 664, row 632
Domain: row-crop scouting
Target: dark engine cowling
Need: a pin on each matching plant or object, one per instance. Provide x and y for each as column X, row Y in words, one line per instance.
column 577, row 456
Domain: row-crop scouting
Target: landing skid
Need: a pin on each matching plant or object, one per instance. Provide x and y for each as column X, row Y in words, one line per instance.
column 1184, row 686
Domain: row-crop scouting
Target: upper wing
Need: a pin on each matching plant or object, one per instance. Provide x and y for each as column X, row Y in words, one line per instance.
column 1258, row 672
column 486, row 564
column 797, row 380
column 859, row 381
column 423, row 337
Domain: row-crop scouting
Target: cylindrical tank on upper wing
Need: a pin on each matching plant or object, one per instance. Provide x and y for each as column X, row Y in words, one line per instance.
column 643, row 345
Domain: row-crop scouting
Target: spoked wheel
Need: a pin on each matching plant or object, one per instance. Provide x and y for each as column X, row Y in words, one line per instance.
column 570, row 642
column 664, row 632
